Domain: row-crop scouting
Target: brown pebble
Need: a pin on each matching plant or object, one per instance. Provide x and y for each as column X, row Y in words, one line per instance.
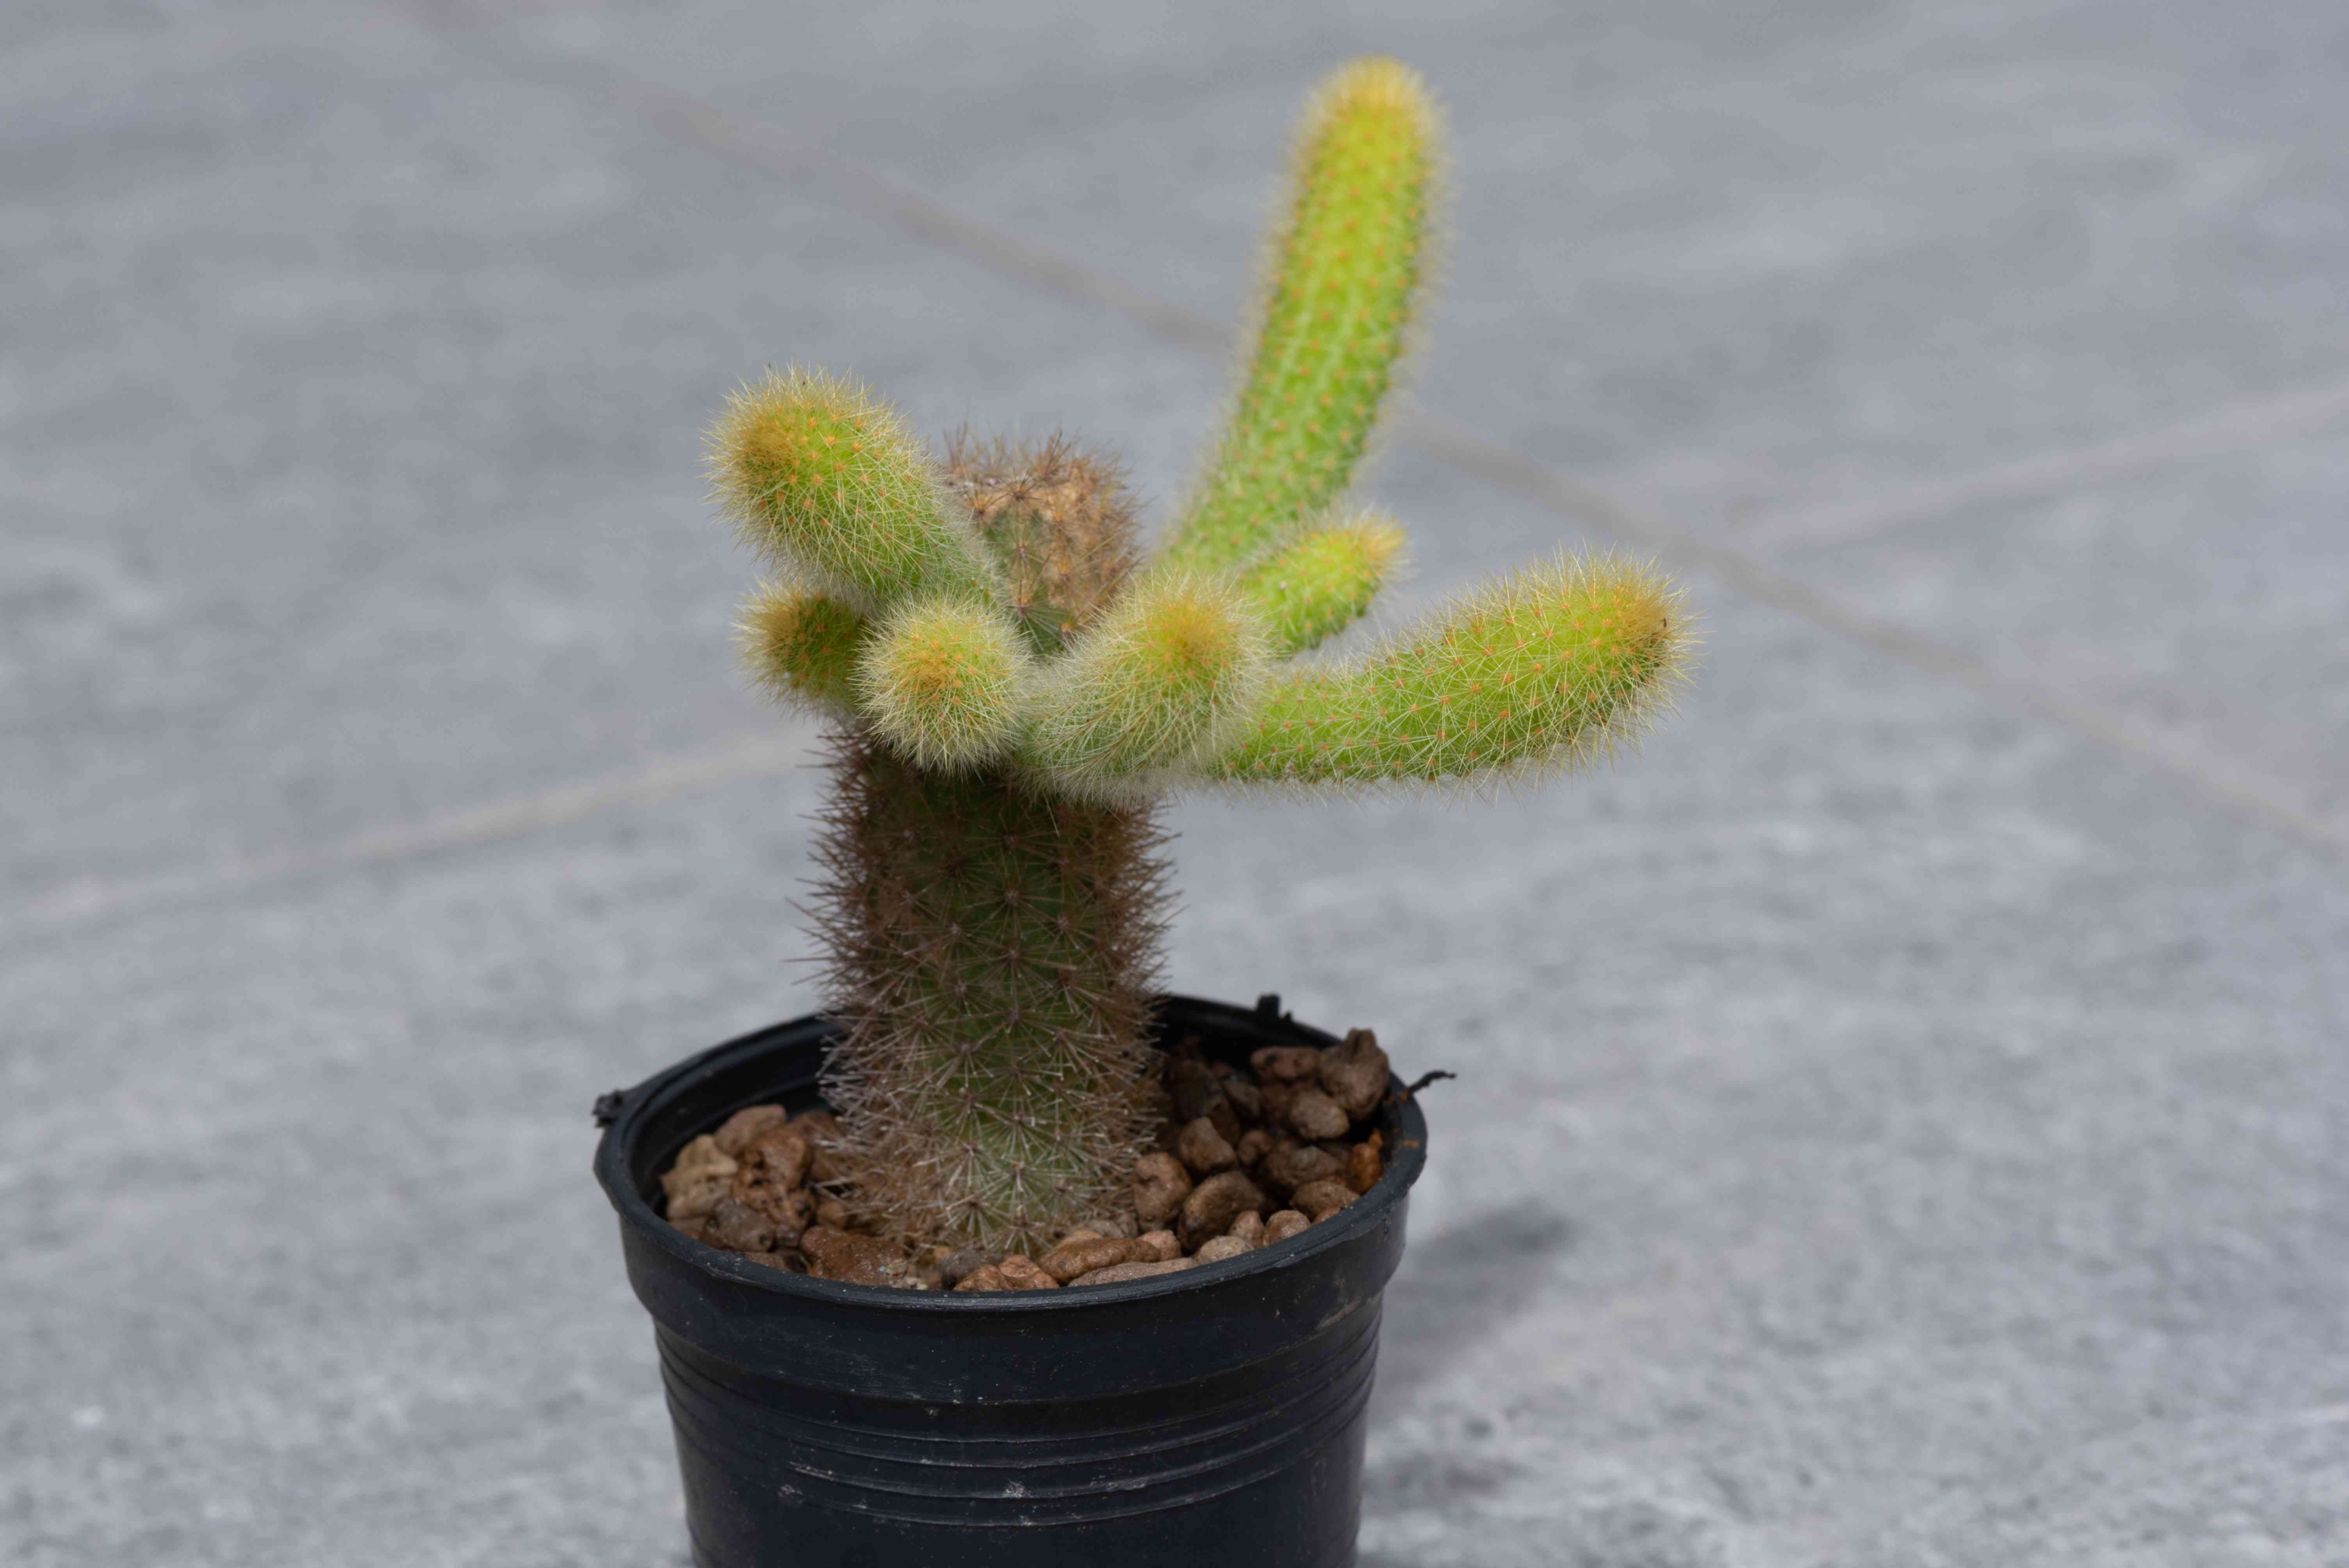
column 1070, row 1259
column 833, row 1212
column 1248, row 1227
column 735, row 1224
column 987, row 1278
column 743, row 1128
column 790, row 1262
column 1287, row 1223
column 1355, row 1073
column 1160, row 1185
column 1290, row 1166
column 959, row 1265
column 1244, row 1098
column 1203, row 1149
column 1084, row 1233
column 1119, row 1223
column 845, row 1256
column 1162, row 1245
column 779, row 1157
column 702, row 1154
column 1021, row 1273
column 1364, row 1167
column 791, row 1212
column 1194, row 1087
column 1253, row 1145
column 1285, row 1064
column 1215, row 1203
column 1322, row 1199
column 695, row 1194
column 697, row 1227
column 1276, row 1096
column 1118, row 1272
column 1215, row 1249
column 1315, row 1115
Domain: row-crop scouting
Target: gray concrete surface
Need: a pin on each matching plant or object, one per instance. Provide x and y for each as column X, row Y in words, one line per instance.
column 1902, row 1112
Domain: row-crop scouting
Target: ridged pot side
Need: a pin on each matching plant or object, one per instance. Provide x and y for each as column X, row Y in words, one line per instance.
column 1214, row 1415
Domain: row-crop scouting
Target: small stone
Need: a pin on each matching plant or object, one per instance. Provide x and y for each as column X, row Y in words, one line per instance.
column 1119, row 1272
column 1215, row 1202
column 958, row 1266
column 1322, row 1199
column 1203, row 1150
column 1355, row 1073
column 927, row 1274
column 1244, row 1098
column 695, row 1195
column 702, row 1154
column 1287, row 1223
column 1194, row 1087
column 833, row 1213
column 1363, row 1165
column 697, row 1227
column 1248, row 1228
column 1253, row 1145
column 1118, row 1223
column 1083, row 1233
column 790, row 1262
column 1215, row 1249
column 988, row 1278
column 1226, row 1121
column 851, row 1258
column 789, row 1214
column 1290, row 1166
column 1160, row 1185
column 1315, row 1115
column 1285, row 1064
column 1160, row 1244
column 1276, row 1097
column 735, row 1224
column 745, row 1127
column 1021, row 1273
column 779, row 1157
column 1070, row 1259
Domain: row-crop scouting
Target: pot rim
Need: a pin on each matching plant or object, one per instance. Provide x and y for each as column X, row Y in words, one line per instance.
column 1407, row 1158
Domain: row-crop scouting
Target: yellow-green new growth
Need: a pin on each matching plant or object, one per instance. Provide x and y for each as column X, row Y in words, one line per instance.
column 822, row 479
column 1018, row 688
column 1172, row 667
column 1335, row 307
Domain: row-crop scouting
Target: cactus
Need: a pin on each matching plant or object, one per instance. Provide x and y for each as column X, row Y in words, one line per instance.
column 1014, row 687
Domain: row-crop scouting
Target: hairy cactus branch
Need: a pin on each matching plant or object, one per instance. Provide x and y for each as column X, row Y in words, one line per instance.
column 1016, row 688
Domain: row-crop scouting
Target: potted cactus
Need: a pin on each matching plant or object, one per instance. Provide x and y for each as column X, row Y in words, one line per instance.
column 1006, row 1257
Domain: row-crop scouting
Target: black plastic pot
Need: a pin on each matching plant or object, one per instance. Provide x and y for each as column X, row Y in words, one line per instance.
column 1213, row 1417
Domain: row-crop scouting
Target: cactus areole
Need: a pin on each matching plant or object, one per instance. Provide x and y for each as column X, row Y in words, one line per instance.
column 1016, row 684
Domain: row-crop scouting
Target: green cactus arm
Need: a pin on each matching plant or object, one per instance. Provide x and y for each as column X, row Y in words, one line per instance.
column 800, row 647
column 1322, row 579
column 1337, row 288
column 1176, row 660
column 1541, row 670
column 826, row 480
column 942, row 679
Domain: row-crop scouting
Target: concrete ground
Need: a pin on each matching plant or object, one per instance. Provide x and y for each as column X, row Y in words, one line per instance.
column 1901, row 1114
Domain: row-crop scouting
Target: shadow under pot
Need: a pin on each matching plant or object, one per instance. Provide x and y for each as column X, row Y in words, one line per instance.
column 1210, row 1416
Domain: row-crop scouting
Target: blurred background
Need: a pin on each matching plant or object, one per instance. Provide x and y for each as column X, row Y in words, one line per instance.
column 1901, row 1112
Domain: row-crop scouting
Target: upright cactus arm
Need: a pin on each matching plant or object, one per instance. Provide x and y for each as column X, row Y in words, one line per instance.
column 1543, row 670
column 1323, row 578
column 827, row 482
column 800, row 647
column 1340, row 282
column 1172, row 665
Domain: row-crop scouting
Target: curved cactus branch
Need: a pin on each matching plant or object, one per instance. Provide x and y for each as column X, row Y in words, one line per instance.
column 1338, row 285
column 1323, row 578
column 822, row 479
column 1173, row 663
column 1540, row 671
